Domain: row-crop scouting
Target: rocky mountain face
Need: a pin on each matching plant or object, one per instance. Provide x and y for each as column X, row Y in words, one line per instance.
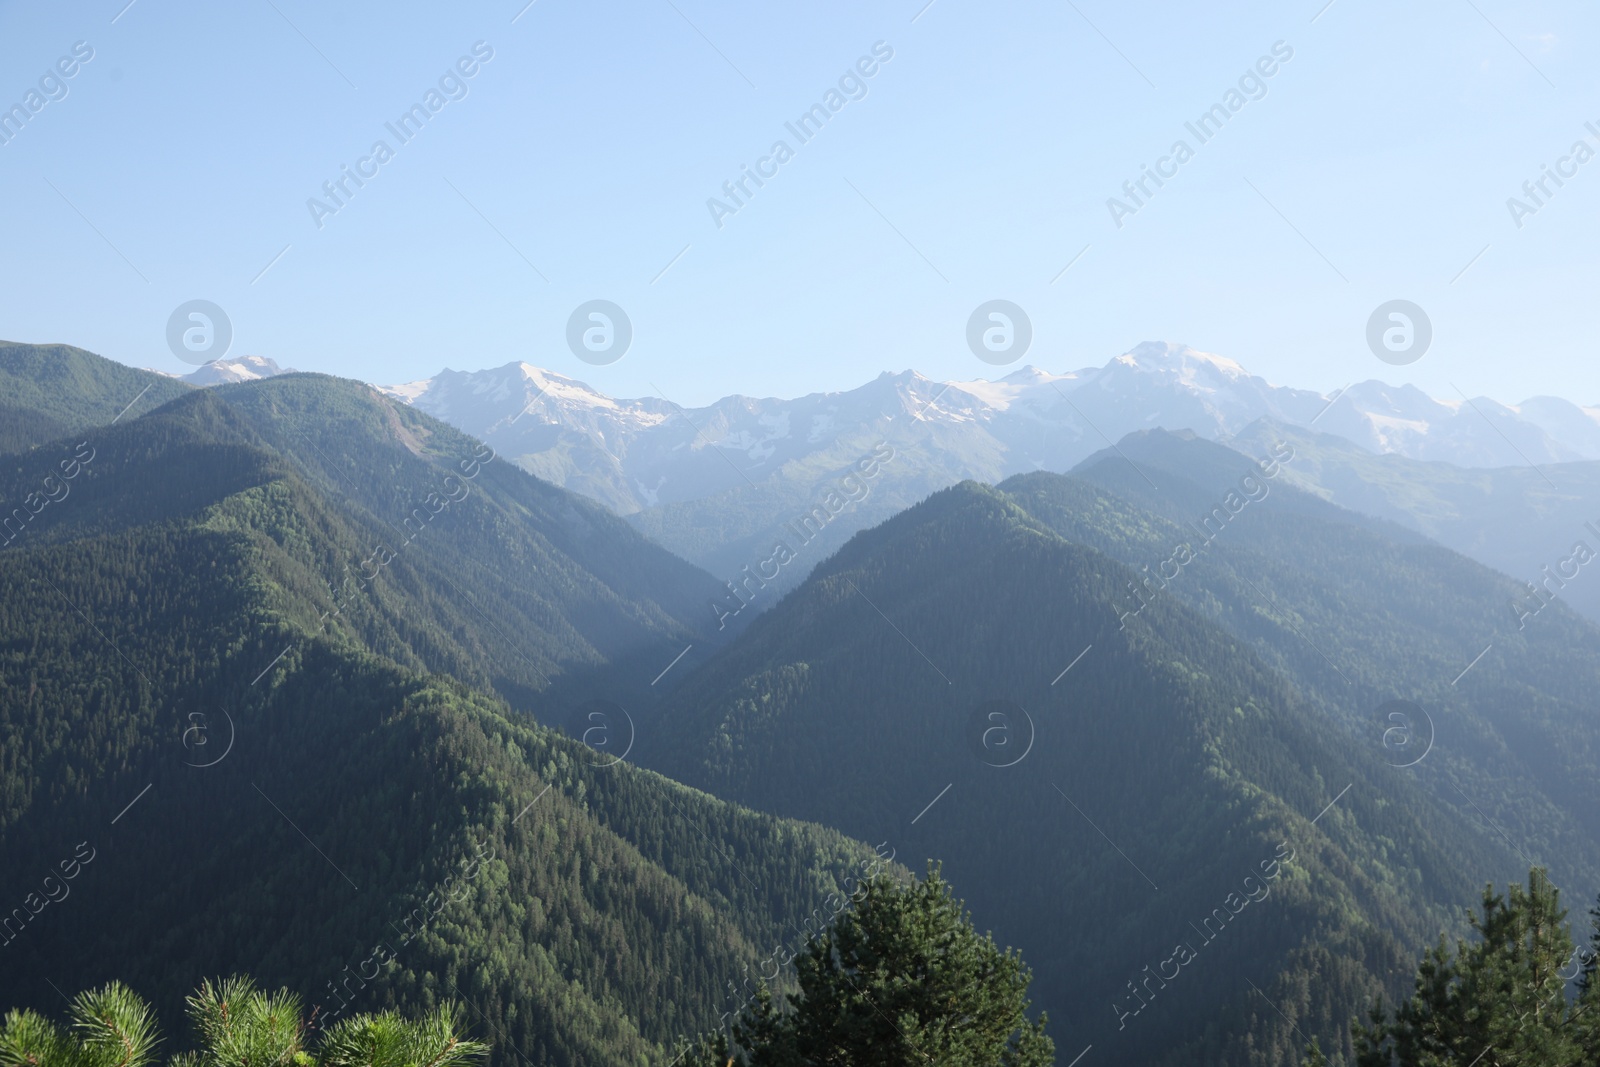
column 718, row 484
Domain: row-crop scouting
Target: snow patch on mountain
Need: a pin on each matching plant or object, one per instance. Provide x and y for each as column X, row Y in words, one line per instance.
column 229, row 371
column 634, row 454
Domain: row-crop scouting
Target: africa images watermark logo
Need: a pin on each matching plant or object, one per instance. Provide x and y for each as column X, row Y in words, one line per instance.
column 198, row 742
column 52, row 490
column 199, row 332
column 1000, row 733
column 1252, row 85
column 852, row 85
column 1407, row 733
column 451, row 86
column 1537, row 192
column 599, row 332
column 608, row 731
column 1399, row 332
column 55, row 890
column 51, row 88
column 1541, row 595
column 1256, row 888
column 1252, row 489
column 852, row 889
column 456, row 887
column 999, row 332
column 852, row 488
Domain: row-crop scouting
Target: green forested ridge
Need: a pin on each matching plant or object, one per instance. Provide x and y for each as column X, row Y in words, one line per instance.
column 1359, row 612
column 249, row 764
column 21, row 427
column 493, row 577
column 522, row 565
column 268, row 662
column 1518, row 519
column 50, row 391
column 1167, row 766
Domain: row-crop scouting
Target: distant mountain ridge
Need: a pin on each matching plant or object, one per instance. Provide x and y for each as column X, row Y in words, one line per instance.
column 715, row 484
column 644, row 453
column 1520, row 520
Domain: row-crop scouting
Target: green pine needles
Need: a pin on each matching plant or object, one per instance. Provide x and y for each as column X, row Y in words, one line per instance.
column 1520, row 994
column 237, row 1025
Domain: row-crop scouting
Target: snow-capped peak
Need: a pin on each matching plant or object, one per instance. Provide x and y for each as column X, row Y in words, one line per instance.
column 1165, row 357
column 242, row 369
column 647, row 452
column 560, row 387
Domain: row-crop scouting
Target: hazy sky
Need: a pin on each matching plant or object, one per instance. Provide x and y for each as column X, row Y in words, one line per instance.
column 1373, row 164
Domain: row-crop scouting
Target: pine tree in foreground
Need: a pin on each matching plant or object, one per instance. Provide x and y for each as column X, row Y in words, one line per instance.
column 1507, row 998
column 902, row 979
column 237, row 1025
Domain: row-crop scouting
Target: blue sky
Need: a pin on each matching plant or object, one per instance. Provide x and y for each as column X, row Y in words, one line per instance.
column 978, row 164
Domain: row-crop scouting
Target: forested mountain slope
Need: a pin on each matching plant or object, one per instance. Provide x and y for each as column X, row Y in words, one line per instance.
column 1358, row 613
column 231, row 717
column 49, row 391
column 956, row 681
column 1519, row 520
column 486, row 573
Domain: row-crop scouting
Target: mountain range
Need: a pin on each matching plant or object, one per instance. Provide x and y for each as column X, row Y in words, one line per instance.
column 1510, row 486
column 635, row 455
column 719, row 485
column 316, row 686
column 1101, row 701
column 274, row 658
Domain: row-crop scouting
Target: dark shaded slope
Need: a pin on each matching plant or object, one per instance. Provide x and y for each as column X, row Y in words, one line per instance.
column 262, row 777
column 518, row 556
column 1358, row 612
column 1167, row 765
column 444, row 558
column 1518, row 520
column 327, row 424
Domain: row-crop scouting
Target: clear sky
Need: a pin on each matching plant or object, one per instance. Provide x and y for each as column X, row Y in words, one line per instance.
column 1376, row 164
